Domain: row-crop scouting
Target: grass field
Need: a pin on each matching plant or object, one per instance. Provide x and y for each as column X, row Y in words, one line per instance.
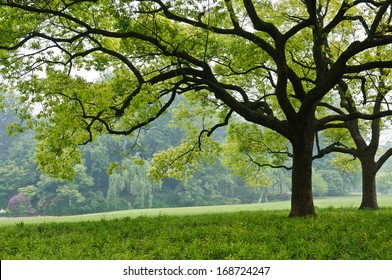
column 225, row 232
column 337, row 202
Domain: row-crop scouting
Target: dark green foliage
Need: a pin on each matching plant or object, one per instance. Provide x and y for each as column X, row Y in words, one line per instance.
column 335, row 234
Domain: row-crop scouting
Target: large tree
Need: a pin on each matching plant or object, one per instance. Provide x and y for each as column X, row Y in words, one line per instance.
column 270, row 62
column 362, row 139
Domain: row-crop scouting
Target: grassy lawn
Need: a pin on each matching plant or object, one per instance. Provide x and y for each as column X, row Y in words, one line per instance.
column 337, row 202
column 334, row 234
column 229, row 232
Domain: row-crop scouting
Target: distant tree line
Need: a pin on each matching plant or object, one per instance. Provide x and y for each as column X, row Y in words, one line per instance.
column 113, row 175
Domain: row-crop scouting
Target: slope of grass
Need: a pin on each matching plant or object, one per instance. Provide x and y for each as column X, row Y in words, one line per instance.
column 153, row 212
column 334, row 234
column 346, row 201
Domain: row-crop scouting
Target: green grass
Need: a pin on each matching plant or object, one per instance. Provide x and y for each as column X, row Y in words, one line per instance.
column 256, row 231
column 337, row 202
column 337, row 233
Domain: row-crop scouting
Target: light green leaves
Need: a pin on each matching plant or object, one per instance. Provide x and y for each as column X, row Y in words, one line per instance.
column 182, row 161
column 250, row 149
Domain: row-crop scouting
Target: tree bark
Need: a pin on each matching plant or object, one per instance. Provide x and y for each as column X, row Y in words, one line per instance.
column 369, row 192
column 302, row 196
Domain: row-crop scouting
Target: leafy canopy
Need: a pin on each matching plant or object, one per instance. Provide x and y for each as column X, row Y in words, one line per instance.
column 271, row 63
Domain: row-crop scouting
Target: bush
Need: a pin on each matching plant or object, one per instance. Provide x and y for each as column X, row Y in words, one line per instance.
column 19, row 205
column 279, row 197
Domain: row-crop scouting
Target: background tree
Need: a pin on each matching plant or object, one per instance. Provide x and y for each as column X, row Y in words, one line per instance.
column 131, row 183
column 61, row 196
column 384, row 182
column 246, row 58
column 364, row 143
column 7, row 118
column 17, row 165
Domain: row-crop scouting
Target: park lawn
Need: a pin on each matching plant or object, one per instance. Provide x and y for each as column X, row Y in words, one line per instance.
column 336, row 233
column 337, row 202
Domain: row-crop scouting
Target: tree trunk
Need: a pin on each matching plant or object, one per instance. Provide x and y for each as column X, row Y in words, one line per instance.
column 369, row 192
column 302, row 197
column 263, row 195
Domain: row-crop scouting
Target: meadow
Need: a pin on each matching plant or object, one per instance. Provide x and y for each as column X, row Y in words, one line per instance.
column 257, row 231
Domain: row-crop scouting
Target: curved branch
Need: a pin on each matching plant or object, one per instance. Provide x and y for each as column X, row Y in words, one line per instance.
column 378, row 18
column 384, row 158
column 259, row 24
column 262, row 165
column 353, row 116
column 48, row 11
column 215, row 127
column 139, row 125
column 336, row 147
column 368, row 66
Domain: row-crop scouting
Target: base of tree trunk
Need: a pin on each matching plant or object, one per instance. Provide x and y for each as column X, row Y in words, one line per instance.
column 303, row 210
column 369, row 192
column 302, row 215
column 368, row 207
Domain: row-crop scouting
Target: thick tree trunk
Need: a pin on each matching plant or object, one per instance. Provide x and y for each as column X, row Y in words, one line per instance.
column 369, row 192
column 302, row 197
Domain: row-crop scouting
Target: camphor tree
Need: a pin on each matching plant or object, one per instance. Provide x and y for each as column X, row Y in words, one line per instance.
column 269, row 62
column 361, row 139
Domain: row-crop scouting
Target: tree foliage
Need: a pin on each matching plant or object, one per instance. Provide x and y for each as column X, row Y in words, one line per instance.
column 275, row 64
column 61, row 196
column 129, row 185
column 249, row 150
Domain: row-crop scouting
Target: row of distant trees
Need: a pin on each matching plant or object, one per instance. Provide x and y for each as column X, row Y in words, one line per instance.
column 99, row 184
column 114, row 176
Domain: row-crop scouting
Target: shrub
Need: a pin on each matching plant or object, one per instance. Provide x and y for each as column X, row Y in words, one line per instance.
column 279, row 197
column 19, row 205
